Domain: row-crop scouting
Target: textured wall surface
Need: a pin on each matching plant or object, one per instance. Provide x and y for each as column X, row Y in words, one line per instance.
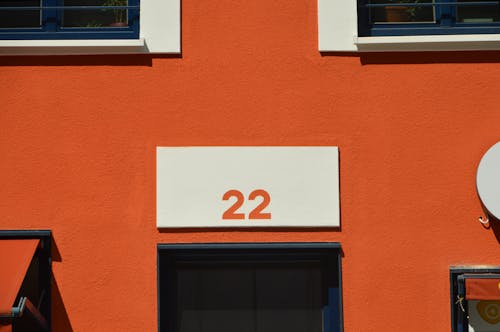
column 77, row 155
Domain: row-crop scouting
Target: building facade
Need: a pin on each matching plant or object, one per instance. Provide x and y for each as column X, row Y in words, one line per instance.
column 79, row 135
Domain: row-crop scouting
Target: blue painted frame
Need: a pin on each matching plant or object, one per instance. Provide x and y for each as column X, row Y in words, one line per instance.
column 445, row 23
column 459, row 320
column 329, row 253
column 51, row 26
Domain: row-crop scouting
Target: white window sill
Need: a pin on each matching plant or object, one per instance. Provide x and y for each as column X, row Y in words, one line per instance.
column 428, row 43
column 45, row 47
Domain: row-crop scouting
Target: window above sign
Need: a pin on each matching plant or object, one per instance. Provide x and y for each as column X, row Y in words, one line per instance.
column 427, row 17
column 89, row 26
column 408, row 25
column 69, row 19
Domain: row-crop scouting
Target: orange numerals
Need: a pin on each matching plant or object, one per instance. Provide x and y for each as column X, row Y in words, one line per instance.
column 231, row 212
column 256, row 213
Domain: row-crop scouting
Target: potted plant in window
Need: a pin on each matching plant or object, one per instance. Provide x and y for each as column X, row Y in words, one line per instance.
column 120, row 15
column 401, row 13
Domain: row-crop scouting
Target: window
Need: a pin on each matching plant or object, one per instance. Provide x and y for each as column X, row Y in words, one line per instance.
column 427, row 17
column 249, row 287
column 408, row 25
column 475, row 299
column 25, row 295
column 69, row 19
column 89, row 26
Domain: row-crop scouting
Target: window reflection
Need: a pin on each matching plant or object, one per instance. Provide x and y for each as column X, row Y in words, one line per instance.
column 95, row 18
column 402, row 11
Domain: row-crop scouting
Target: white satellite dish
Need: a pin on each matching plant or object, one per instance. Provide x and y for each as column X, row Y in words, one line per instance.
column 488, row 180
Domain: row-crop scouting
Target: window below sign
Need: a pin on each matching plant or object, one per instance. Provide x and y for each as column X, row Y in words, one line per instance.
column 249, row 287
column 475, row 299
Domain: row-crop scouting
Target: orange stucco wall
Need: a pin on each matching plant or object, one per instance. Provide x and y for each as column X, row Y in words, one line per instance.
column 77, row 155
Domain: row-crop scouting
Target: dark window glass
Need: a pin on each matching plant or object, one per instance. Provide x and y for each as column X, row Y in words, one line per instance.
column 478, row 13
column 249, row 288
column 95, row 18
column 427, row 17
column 261, row 298
column 401, row 11
column 19, row 18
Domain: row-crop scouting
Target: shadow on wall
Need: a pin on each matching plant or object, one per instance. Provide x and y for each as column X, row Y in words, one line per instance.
column 60, row 319
column 494, row 224
column 84, row 60
column 250, row 229
column 381, row 58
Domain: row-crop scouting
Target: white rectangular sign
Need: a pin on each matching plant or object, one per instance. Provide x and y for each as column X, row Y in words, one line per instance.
column 247, row 187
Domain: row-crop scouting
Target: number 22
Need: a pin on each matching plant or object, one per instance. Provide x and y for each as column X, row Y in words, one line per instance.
column 256, row 213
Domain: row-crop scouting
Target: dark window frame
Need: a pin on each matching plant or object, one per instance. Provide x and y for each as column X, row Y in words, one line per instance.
column 169, row 254
column 459, row 320
column 43, row 255
column 51, row 26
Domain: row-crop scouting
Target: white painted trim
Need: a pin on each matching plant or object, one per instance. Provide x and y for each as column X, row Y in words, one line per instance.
column 337, row 25
column 429, row 43
column 160, row 32
column 160, row 25
column 42, row 47
column 74, row 43
column 338, row 32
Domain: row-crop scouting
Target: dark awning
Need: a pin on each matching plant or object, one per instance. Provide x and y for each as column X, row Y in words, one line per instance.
column 25, row 278
column 15, row 258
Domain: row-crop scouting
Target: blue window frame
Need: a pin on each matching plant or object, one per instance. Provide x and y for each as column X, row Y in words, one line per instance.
column 428, row 17
column 69, row 19
column 258, row 287
column 469, row 314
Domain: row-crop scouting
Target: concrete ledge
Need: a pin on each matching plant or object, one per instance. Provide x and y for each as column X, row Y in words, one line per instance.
column 483, row 42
